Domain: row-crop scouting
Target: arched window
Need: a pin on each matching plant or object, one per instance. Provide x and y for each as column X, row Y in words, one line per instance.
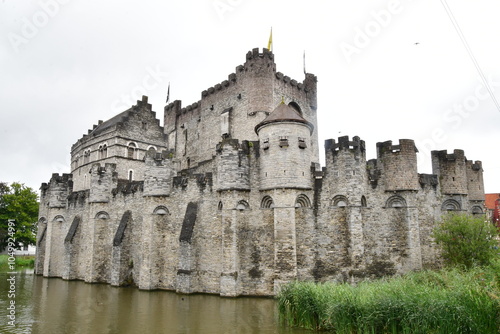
column 477, row 210
column 363, row 201
column 103, row 151
column 302, row 201
column 131, row 175
column 267, row 202
column 151, row 152
column 395, row 202
column 219, row 207
column 86, row 156
column 340, row 201
column 450, row 205
column 132, row 147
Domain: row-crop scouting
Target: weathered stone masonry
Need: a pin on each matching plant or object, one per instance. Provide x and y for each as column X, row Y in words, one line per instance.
column 228, row 197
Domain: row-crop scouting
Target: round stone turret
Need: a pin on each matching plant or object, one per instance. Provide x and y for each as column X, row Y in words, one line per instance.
column 285, row 145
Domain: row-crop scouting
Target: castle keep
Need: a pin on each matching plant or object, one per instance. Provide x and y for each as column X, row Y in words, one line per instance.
column 228, row 197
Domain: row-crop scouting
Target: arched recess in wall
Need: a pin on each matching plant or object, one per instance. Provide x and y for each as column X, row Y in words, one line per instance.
column 102, row 215
column 120, row 231
column 363, row 201
column 220, row 206
column 267, row 202
column 40, row 251
column 130, row 175
column 161, row 210
column 395, row 201
column 450, row 205
column 72, row 230
column 151, row 151
column 477, row 210
column 302, row 201
column 296, row 107
column 242, row 205
column 58, row 219
column 339, row 201
column 42, row 226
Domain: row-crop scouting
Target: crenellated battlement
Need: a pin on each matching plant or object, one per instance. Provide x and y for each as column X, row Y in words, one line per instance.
column 102, row 180
column 475, row 183
column 234, row 163
column 256, row 55
column 56, row 191
column 343, row 143
column 398, row 164
column 252, row 58
column 443, row 155
column 405, row 146
column 452, row 171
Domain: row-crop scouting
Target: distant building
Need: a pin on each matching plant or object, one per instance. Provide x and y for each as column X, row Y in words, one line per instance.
column 22, row 250
column 492, row 204
column 228, row 197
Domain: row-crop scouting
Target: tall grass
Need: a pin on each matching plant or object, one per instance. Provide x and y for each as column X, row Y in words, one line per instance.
column 449, row 301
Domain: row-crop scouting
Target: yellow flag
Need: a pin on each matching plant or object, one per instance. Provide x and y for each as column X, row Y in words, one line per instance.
column 270, row 43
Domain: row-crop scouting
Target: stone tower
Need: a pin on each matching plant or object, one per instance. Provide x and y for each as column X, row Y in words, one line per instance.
column 285, row 173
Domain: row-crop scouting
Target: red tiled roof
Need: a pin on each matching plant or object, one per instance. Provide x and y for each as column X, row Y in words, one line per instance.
column 490, row 200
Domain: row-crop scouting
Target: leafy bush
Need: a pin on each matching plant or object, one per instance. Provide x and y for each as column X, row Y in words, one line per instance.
column 466, row 240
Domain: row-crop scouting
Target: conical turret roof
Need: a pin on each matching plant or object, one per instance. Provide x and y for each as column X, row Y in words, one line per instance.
column 284, row 113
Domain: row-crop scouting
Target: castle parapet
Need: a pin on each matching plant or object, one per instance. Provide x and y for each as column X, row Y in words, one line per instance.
column 346, row 167
column 398, row 165
column 356, row 145
column 56, row 192
column 233, row 167
column 451, row 170
column 158, row 174
column 475, row 183
column 102, row 181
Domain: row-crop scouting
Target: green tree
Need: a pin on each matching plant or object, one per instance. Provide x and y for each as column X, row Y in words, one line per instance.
column 467, row 240
column 20, row 204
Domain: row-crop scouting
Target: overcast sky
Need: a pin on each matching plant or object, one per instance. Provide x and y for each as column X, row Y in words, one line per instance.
column 386, row 69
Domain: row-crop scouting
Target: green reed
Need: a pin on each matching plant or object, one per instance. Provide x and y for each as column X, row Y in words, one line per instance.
column 24, row 261
column 450, row 301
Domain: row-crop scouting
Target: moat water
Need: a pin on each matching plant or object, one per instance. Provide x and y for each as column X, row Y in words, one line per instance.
column 55, row 306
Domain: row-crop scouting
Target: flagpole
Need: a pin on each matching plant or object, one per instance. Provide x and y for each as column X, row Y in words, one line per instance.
column 270, row 42
column 168, row 93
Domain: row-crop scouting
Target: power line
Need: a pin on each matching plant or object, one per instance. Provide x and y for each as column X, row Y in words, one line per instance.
column 467, row 47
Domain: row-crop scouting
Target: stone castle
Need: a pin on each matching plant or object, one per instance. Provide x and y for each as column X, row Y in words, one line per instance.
column 228, row 197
